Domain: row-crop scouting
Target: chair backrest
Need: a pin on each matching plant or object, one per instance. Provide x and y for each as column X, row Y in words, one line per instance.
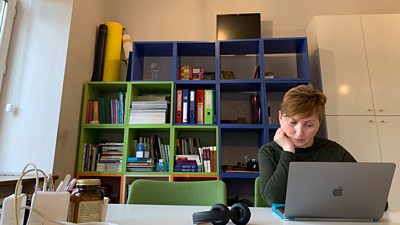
column 155, row 192
column 258, row 199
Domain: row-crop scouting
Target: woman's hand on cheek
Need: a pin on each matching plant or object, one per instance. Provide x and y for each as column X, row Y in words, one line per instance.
column 283, row 140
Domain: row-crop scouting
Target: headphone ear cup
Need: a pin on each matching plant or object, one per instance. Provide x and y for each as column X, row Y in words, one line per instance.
column 240, row 214
column 224, row 219
column 219, row 214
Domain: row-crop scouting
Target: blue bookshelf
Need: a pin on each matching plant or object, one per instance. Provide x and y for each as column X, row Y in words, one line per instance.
column 281, row 63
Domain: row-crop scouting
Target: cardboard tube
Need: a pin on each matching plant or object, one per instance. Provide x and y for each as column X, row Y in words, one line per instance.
column 99, row 54
column 112, row 57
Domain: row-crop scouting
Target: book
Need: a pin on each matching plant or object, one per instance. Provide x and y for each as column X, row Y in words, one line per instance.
column 228, row 75
column 185, row 105
column 178, row 110
column 121, row 103
column 95, row 117
column 107, row 106
column 200, row 106
column 208, row 106
column 256, row 72
column 192, row 106
column 102, row 111
column 185, row 73
column 197, row 74
column 89, row 110
column 149, row 112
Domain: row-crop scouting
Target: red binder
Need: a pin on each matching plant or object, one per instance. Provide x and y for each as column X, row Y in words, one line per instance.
column 178, row 113
column 200, row 106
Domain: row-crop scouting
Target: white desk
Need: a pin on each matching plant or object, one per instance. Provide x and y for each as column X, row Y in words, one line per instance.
column 182, row 215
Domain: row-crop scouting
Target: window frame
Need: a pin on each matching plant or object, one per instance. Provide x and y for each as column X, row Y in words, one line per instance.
column 7, row 16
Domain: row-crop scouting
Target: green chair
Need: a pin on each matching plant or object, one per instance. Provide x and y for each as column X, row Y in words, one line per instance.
column 155, row 192
column 258, row 199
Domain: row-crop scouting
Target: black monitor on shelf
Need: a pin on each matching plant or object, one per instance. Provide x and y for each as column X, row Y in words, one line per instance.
column 238, row 26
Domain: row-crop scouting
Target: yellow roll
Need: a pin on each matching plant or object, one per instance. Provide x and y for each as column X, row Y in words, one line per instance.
column 112, row 58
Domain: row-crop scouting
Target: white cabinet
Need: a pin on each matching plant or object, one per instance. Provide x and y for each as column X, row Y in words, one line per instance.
column 388, row 130
column 359, row 62
column 370, row 139
column 336, row 45
column 382, row 45
column 358, row 134
column 356, row 60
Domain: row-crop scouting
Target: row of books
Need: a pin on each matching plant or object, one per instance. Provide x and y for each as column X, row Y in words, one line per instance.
column 102, row 157
column 106, row 110
column 150, row 110
column 187, row 146
column 151, row 147
column 204, row 161
column 135, row 164
column 195, row 106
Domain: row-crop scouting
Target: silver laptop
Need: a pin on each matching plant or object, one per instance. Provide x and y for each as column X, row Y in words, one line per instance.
column 338, row 191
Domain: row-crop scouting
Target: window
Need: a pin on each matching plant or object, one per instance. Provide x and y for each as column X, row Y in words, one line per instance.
column 7, row 14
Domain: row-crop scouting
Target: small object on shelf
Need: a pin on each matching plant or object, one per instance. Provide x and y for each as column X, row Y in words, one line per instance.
column 209, row 76
column 197, row 73
column 252, row 165
column 256, row 72
column 162, row 166
column 154, row 71
column 238, row 168
column 185, row 73
column 140, row 150
column 112, row 55
column 100, row 50
column 255, row 108
column 269, row 115
column 270, row 75
column 228, row 75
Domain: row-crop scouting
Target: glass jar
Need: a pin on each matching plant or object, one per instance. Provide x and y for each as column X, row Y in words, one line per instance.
column 86, row 202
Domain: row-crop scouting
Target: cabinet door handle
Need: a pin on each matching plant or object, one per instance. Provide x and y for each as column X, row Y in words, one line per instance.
column 381, row 110
column 382, row 121
column 369, row 110
column 371, row 121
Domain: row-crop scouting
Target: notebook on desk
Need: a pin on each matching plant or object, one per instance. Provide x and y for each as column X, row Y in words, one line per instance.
column 336, row 191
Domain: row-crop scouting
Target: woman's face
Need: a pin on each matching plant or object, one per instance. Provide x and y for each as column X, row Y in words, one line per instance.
column 300, row 131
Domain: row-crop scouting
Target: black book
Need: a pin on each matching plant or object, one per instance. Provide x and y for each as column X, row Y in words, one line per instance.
column 255, row 109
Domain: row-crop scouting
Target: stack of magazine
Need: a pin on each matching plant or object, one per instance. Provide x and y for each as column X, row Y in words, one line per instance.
column 149, row 110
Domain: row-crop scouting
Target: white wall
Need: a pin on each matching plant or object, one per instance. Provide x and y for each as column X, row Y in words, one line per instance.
column 86, row 15
column 196, row 19
column 37, row 91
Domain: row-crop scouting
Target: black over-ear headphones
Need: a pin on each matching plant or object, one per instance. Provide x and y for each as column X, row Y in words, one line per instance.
column 219, row 214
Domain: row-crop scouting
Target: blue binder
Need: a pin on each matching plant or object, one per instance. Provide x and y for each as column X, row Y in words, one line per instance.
column 192, row 106
column 185, row 106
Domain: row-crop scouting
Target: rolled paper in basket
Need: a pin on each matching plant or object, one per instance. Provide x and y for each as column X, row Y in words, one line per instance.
column 112, row 59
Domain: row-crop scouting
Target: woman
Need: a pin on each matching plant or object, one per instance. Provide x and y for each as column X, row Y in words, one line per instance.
column 300, row 116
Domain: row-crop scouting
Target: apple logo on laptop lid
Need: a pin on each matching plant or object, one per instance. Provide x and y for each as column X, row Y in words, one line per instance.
column 337, row 192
